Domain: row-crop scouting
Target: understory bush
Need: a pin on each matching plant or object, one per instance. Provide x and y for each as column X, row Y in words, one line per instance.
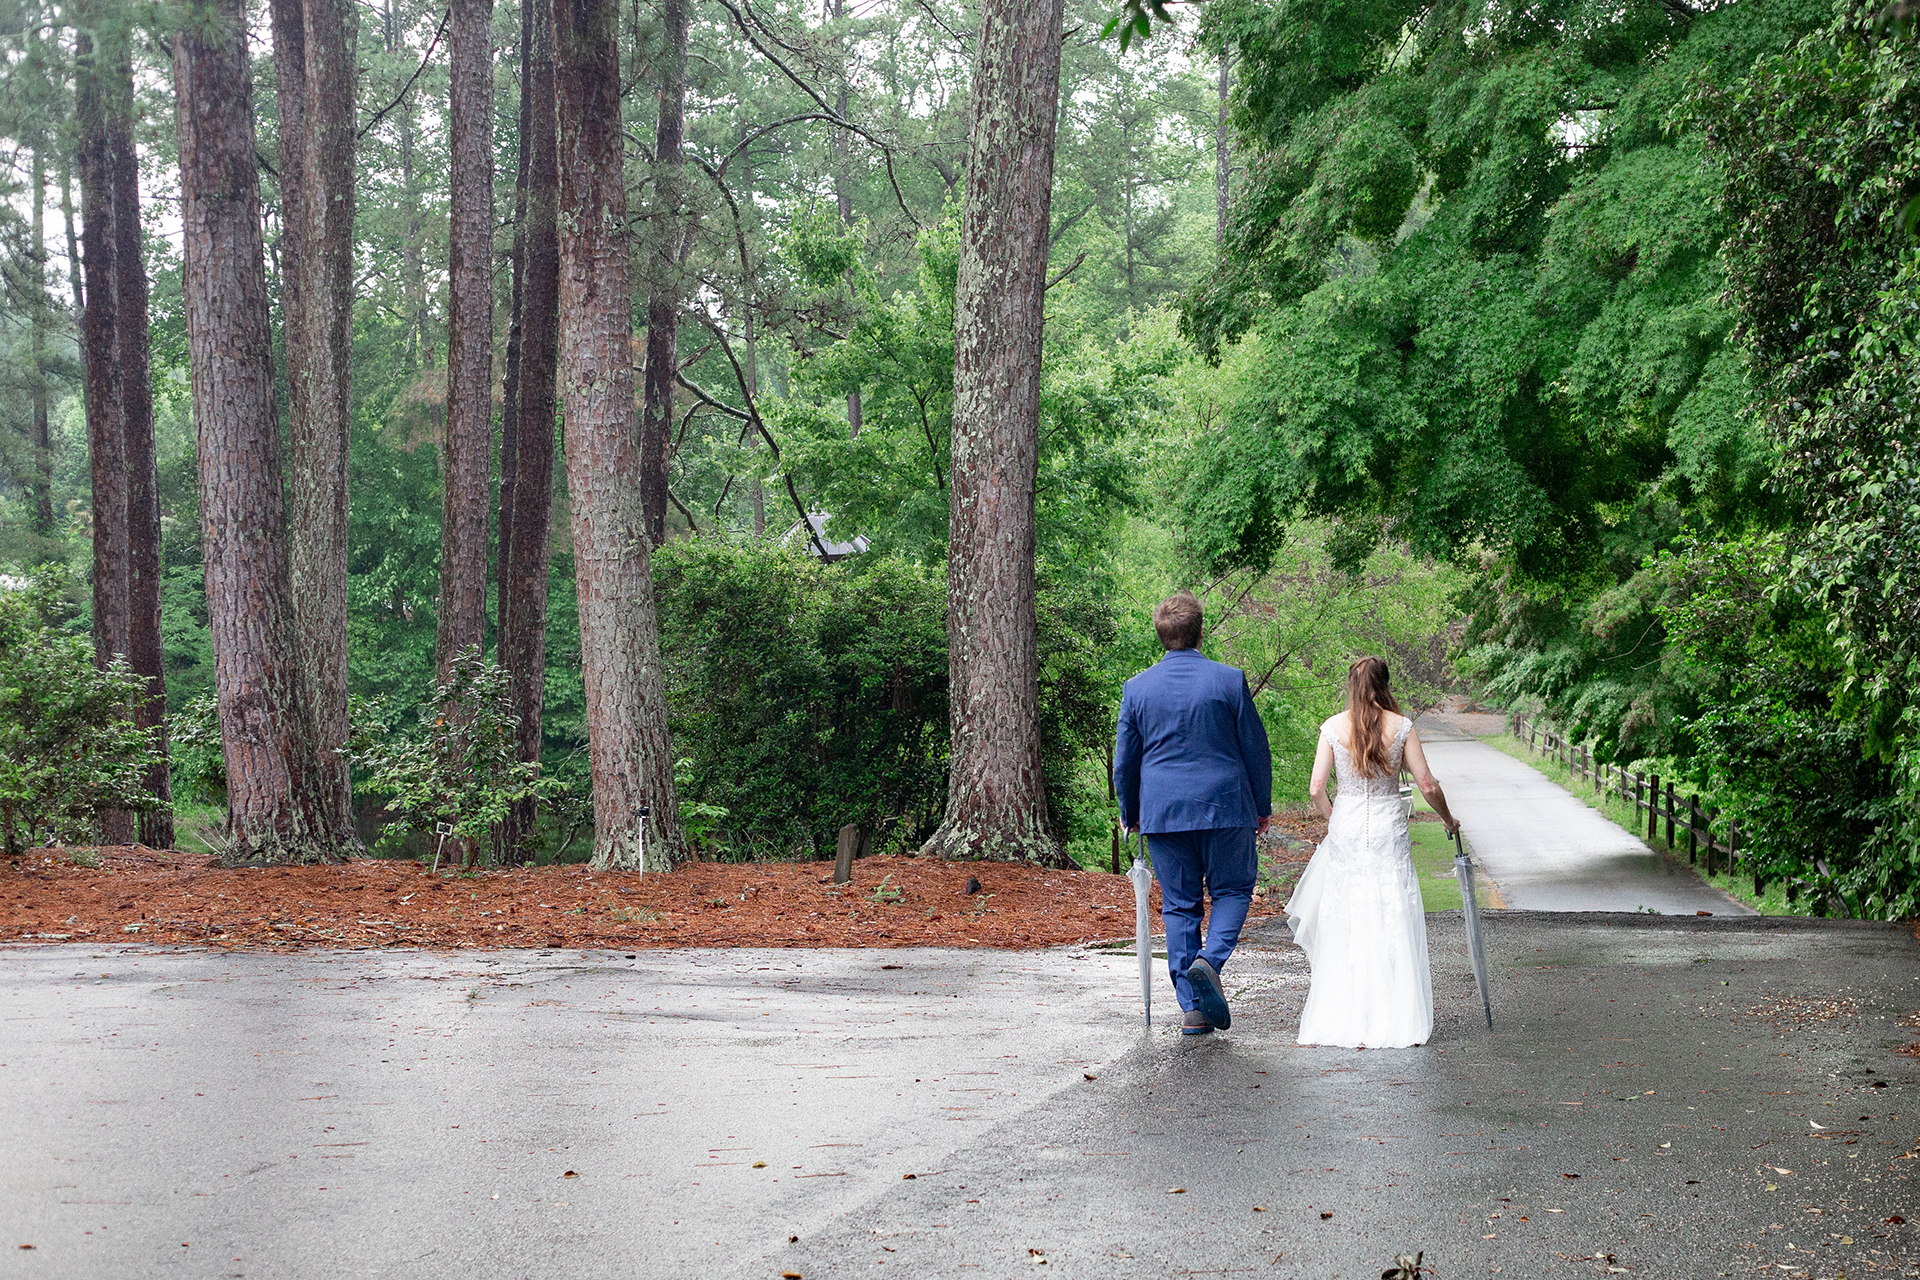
column 68, row 745
column 807, row 695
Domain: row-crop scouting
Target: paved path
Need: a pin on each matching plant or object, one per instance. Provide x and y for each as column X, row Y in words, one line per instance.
column 1541, row 844
column 198, row 1114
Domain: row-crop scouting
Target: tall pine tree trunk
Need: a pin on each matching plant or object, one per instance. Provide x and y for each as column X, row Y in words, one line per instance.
column 750, row 215
column 278, row 806
column 315, row 74
column 663, row 266
column 96, row 58
column 144, row 650
column 40, row 431
column 510, row 378
column 996, row 796
column 74, row 279
column 466, row 453
column 842, row 185
column 1222, row 151
column 413, row 276
column 527, row 538
column 619, row 632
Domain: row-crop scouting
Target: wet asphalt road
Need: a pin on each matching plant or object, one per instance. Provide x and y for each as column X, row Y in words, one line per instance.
column 1545, row 848
column 1726, row 1092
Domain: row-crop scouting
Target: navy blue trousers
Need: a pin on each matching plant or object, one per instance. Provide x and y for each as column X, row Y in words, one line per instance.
column 1219, row 862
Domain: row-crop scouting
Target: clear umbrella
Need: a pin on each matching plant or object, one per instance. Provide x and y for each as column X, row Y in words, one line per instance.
column 1141, row 874
column 1470, row 909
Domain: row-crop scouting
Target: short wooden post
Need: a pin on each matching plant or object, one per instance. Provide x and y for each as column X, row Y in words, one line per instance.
column 1669, row 814
column 1710, row 847
column 1693, row 828
column 844, row 850
column 1653, row 810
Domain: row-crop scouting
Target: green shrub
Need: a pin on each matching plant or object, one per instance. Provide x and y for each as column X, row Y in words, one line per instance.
column 807, row 695
column 68, row 745
column 458, row 773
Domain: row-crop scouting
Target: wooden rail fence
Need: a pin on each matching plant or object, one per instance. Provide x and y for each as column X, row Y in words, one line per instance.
column 1684, row 815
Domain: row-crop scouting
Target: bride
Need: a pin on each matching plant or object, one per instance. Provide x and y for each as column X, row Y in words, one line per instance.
column 1356, row 911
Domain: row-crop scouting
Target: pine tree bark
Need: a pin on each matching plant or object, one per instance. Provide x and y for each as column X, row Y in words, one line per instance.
column 467, row 448
column 663, row 266
column 133, row 352
column 73, row 244
column 40, row 435
column 510, row 378
column 314, row 75
column 996, row 795
column 94, row 93
column 842, row 185
column 526, row 534
column 413, row 276
column 631, row 756
column 278, row 809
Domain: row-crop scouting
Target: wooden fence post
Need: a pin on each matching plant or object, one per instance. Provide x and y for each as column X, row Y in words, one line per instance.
column 844, row 850
column 1669, row 815
column 1710, row 816
column 1653, row 810
column 1693, row 829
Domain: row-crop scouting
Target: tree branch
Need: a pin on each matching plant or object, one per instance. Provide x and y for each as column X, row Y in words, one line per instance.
column 426, row 57
column 682, row 508
column 886, row 152
column 1067, row 270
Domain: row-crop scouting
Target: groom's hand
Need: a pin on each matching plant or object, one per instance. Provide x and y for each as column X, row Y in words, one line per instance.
column 1265, row 822
column 1452, row 827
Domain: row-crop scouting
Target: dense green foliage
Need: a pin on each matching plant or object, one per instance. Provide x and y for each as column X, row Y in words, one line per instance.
column 1824, row 272
column 68, row 744
column 809, row 695
column 1609, row 305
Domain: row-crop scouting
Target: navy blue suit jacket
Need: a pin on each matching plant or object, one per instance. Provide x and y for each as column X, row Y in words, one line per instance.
column 1191, row 753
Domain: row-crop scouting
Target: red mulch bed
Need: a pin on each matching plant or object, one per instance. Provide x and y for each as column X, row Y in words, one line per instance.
column 145, row 895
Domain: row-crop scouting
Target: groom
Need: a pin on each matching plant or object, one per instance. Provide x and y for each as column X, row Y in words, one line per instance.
column 1192, row 770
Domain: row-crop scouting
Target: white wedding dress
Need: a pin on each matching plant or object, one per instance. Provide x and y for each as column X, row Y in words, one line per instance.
column 1357, row 914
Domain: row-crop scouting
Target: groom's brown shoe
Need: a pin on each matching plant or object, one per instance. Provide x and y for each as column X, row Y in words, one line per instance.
column 1208, row 994
column 1194, row 1023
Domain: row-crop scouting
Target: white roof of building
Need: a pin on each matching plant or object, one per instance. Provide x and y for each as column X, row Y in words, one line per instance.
column 835, row 550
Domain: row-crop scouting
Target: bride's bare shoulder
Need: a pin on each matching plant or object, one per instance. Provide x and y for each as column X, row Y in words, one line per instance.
column 1335, row 725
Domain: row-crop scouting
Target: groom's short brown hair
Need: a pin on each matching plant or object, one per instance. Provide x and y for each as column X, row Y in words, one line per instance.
column 1176, row 620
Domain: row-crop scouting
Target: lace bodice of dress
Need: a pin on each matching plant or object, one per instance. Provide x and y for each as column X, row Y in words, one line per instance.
column 1352, row 783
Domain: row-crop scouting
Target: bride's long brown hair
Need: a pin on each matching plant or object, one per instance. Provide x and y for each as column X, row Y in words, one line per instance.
column 1369, row 698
